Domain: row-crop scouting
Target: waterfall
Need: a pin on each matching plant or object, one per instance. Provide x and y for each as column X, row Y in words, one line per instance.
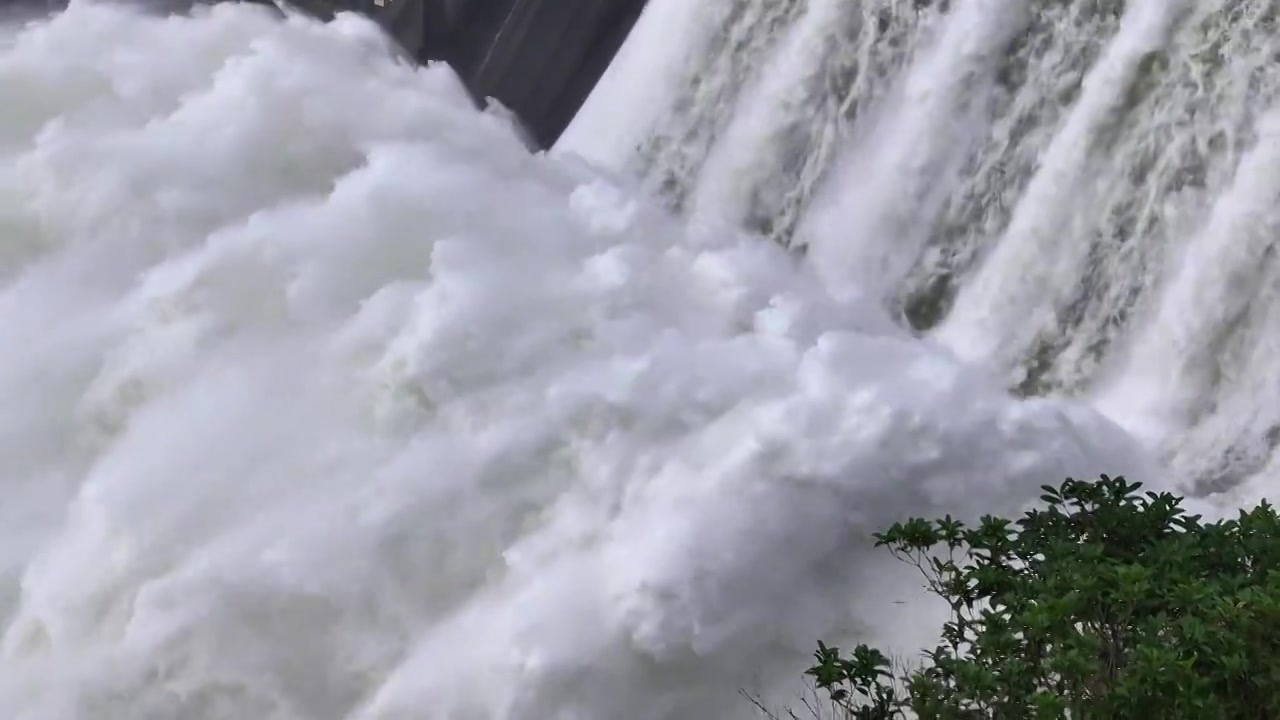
column 325, row 399
column 1075, row 195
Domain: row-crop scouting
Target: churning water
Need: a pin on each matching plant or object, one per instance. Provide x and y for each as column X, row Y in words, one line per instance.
column 323, row 398
column 1081, row 196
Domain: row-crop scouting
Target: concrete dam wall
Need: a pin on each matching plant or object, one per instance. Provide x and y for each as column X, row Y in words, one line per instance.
column 539, row 58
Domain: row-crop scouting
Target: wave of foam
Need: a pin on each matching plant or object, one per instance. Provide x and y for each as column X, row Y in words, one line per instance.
column 325, row 399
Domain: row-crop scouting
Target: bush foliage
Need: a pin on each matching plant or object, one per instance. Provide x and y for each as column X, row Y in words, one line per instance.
column 1107, row 603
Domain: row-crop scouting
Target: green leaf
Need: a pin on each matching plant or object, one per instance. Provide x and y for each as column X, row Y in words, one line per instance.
column 1104, row 603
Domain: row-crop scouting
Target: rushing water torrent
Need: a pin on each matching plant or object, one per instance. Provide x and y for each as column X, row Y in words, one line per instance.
column 325, row 399
column 1079, row 195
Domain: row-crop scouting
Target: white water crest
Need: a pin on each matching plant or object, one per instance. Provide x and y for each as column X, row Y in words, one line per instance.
column 325, row 399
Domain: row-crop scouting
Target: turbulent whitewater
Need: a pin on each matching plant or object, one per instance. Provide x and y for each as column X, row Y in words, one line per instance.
column 323, row 398
column 1082, row 196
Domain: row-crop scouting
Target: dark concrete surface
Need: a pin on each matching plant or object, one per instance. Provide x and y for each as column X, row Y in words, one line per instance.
column 539, row 58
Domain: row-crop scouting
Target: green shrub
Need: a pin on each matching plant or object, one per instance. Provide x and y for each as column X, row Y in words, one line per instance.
column 1107, row 603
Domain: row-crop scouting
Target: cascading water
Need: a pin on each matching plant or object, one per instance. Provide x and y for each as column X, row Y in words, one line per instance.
column 325, row 399
column 1080, row 195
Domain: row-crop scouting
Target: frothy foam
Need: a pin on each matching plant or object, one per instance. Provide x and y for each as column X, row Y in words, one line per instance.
column 325, row 399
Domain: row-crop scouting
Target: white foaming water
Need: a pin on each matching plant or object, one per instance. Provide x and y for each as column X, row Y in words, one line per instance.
column 640, row 84
column 1169, row 375
column 1032, row 224
column 1020, row 288
column 1202, row 376
column 754, row 147
column 873, row 222
column 324, row 399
